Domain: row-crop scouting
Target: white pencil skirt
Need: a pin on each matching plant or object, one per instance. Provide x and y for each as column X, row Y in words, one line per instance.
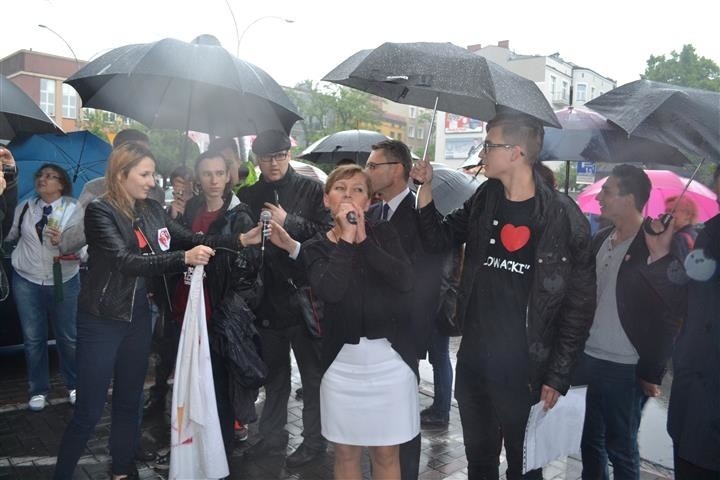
column 369, row 396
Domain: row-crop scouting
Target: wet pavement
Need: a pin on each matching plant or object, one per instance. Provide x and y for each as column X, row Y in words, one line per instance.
column 29, row 440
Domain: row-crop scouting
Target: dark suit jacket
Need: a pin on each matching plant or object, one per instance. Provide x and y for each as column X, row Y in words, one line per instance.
column 427, row 269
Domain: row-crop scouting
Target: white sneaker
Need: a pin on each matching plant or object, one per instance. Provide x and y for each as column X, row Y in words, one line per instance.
column 72, row 396
column 37, row 403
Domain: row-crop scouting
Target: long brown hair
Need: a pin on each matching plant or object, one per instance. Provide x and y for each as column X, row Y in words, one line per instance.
column 121, row 161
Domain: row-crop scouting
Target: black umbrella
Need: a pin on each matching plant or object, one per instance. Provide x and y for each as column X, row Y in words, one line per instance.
column 355, row 145
column 460, row 82
column 686, row 118
column 586, row 136
column 186, row 86
column 451, row 188
column 19, row 113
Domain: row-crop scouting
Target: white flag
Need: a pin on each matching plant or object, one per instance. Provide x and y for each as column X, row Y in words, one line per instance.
column 196, row 445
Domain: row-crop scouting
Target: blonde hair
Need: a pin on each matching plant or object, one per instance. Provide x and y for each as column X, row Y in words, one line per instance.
column 121, row 161
column 343, row 172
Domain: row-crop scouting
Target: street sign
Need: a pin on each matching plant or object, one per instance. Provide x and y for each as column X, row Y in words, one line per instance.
column 585, row 173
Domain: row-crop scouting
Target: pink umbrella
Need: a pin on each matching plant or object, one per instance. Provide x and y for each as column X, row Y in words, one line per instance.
column 665, row 184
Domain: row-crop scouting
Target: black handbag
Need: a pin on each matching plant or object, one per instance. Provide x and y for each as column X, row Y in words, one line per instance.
column 310, row 307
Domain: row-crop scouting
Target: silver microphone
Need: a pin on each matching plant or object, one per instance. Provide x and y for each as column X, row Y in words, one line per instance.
column 351, row 218
column 265, row 217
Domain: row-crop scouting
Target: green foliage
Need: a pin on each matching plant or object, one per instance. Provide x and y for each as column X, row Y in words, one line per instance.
column 171, row 149
column 95, row 122
column 328, row 108
column 560, row 177
column 684, row 69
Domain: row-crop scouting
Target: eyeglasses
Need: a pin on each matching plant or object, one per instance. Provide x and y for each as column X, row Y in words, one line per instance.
column 46, row 176
column 488, row 145
column 373, row 165
column 275, row 157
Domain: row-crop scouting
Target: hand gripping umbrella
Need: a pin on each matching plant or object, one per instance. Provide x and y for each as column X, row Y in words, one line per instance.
column 442, row 76
column 19, row 113
column 185, row 86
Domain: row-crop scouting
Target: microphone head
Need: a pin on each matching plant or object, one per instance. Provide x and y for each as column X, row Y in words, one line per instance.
column 265, row 216
column 351, row 218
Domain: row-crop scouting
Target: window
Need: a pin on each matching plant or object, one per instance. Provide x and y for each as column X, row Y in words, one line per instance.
column 592, row 93
column 109, row 117
column 564, row 90
column 69, row 102
column 553, row 81
column 47, row 96
column 411, row 131
column 399, row 136
column 412, row 112
column 419, row 133
column 581, row 92
column 392, row 134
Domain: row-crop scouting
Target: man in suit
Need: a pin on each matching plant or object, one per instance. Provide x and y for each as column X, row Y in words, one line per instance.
column 389, row 167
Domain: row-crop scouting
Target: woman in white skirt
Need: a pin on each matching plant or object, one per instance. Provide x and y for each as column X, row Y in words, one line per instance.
column 368, row 394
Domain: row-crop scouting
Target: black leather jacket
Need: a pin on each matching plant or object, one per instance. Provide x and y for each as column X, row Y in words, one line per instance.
column 562, row 297
column 302, row 199
column 116, row 261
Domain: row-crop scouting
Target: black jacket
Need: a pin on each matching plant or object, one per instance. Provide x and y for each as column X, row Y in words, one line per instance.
column 426, row 270
column 8, row 200
column 116, row 261
column 365, row 288
column 562, row 296
column 693, row 416
column 651, row 302
column 302, row 199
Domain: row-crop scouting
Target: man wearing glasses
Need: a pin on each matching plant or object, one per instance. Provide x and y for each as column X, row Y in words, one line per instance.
column 296, row 203
column 527, row 292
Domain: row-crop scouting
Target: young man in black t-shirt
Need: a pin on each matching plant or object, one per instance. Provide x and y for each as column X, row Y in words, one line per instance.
column 527, row 293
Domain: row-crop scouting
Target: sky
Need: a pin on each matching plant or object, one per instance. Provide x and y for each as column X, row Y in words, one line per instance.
column 613, row 37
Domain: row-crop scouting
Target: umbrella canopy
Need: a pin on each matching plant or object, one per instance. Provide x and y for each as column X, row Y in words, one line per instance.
column 186, row 86
column 19, row 113
column 451, row 188
column 353, row 144
column 462, row 82
column 665, row 184
column 686, row 118
column 586, row 136
column 82, row 154
column 308, row 170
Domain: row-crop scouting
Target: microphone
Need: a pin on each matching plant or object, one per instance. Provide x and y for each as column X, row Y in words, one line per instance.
column 351, row 218
column 265, row 217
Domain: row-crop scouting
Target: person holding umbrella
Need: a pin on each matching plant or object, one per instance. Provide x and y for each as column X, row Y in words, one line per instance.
column 8, row 190
column 129, row 241
column 527, row 292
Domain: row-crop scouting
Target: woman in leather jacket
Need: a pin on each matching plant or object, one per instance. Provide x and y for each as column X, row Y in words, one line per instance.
column 129, row 239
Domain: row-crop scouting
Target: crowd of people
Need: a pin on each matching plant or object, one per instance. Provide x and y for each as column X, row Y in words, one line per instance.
column 542, row 304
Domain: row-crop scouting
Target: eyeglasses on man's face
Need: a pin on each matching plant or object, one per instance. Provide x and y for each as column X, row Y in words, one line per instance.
column 487, row 146
column 373, row 165
column 274, row 157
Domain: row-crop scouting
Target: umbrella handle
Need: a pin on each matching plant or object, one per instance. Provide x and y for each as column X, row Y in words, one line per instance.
column 665, row 220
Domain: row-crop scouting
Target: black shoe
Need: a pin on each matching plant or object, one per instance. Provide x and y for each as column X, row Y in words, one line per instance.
column 154, row 405
column 133, row 475
column 143, row 455
column 303, row 455
column 433, row 420
column 299, row 394
column 263, row 449
column 163, row 459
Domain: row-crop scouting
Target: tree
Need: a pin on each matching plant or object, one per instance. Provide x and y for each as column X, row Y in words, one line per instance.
column 560, row 177
column 171, row 149
column 684, row 69
column 327, row 109
column 98, row 123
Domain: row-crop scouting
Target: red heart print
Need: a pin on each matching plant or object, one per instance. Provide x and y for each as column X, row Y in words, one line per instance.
column 514, row 238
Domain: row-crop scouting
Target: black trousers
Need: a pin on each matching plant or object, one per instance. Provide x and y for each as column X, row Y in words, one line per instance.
column 685, row 470
column 165, row 345
column 276, row 346
column 490, row 413
column 410, row 459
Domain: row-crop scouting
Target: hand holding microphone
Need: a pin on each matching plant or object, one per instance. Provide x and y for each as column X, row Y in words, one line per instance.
column 265, row 217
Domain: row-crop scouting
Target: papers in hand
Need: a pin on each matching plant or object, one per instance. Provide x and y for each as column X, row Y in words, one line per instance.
column 554, row 433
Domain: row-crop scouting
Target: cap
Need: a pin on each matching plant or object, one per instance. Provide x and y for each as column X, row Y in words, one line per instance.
column 270, row 141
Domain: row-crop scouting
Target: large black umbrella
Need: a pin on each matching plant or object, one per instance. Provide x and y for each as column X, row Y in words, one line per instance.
column 686, row 118
column 186, row 86
column 19, row 113
column 586, row 136
column 461, row 82
column 355, row 145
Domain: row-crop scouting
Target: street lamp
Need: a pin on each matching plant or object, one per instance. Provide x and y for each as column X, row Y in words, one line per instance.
column 77, row 64
column 266, row 17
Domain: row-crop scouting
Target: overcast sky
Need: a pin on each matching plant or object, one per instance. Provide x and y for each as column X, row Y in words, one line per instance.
column 613, row 37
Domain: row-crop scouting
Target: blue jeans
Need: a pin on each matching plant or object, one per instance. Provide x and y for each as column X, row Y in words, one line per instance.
column 35, row 305
column 612, row 418
column 108, row 350
column 439, row 358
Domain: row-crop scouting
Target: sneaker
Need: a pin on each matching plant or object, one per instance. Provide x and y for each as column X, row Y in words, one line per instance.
column 72, row 396
column 37, row 403
column 162, row 462
column 241, row 432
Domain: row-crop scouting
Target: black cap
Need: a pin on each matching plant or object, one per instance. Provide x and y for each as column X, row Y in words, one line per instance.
column 271, row 141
